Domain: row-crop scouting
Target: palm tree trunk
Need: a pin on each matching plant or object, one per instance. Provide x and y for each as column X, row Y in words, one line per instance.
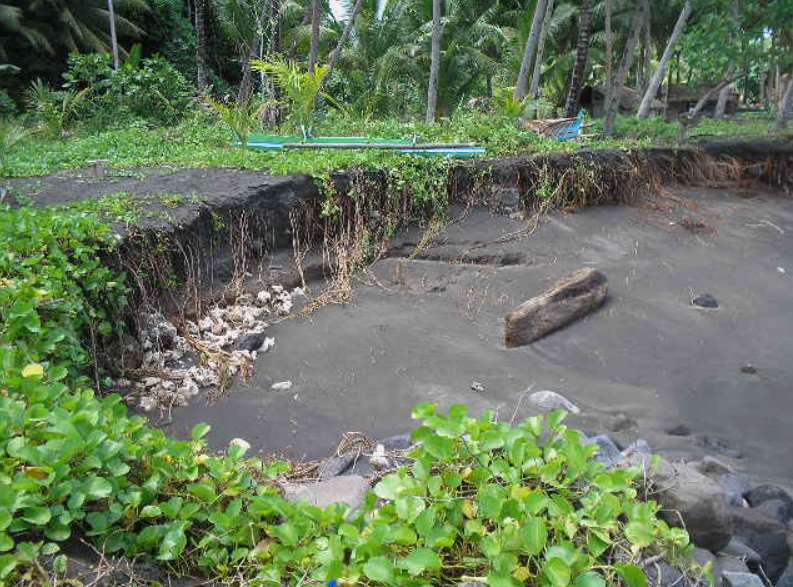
column 614, row 96
column 534, row 91
column 724, row 94
column 658, row 76
column 785, row 105
column 435, row 61
column 582, row 54
column 648, row 48
column 316, row 15
column 334, row 57
column 113, row 37
column 609, row 47
column 246, row 84
column 522, row 85
column 201, row 45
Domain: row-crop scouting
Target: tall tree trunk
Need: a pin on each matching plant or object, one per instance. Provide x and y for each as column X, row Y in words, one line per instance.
column 724, row 96
column 201, row 45
column 246, row 84
column 726, row 91
column 658, row 76
column 785, row 105
column 334, row 57
column 614, row 96
column 582, row 54
column 648, row 48
column 316, row 15
column 522, row 85
column 727, row 82
column 609, row 47
column 534, row 91
column 435, row 61
column 113, row 37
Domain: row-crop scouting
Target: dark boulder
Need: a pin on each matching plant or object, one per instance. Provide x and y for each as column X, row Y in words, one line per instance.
column 694, row 500
column 705, row 301
column 765, row 535
column 252, row 341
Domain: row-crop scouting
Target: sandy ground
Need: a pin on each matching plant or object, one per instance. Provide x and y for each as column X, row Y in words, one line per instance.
column 648, row 362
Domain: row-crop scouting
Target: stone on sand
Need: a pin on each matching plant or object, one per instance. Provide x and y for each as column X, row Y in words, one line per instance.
column 349, row 489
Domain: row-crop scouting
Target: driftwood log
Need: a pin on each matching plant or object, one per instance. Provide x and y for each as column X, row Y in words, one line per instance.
column 568, row 300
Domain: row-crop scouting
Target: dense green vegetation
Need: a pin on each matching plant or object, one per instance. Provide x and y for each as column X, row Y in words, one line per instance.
column 482, row 499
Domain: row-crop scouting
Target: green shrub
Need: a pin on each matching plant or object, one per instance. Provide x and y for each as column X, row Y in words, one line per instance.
column 149, row 89
column 8, row 107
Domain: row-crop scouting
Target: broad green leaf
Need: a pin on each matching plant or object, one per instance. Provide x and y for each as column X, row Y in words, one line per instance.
column 8, row 563
column 98, row 488
column 389, row 487
column 633, row 575
column 33, row 371
column 535, row 536
column 639, row 533
column 6, row 542
column 421, row 560
column 150, row 511
column 379, row 568
column 408, row 507
column 173, row 543
column 200, row 430
column 38, row 516
column 589, row 579
column 557, row 572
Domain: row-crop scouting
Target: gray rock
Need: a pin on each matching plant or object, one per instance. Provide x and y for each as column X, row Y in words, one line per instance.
column 679, row 430
column 786, row 580
column 713, row 467
column 739, row 550
column 568, row 300
column 728, row 564
column 777, row 509
column 767, row 492
column 252, row 341
column 741, row 580
column 335, row 466
column 766, row 536
column 736, row 485
column 662, row 574
column 639, row 446
column 686, row 493
column 549, row 401
column 350, row 490
column 609, row 454
column 398, row 442
column 705, row 301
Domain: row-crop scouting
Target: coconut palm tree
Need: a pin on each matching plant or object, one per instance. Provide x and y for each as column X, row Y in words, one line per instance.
column 435, row 60
column 582, row 54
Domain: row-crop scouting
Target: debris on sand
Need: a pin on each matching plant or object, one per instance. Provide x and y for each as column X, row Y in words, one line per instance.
column 569, row 299
column 547, row 401
column 477, row 386
column 281, row 386
column 207, row 354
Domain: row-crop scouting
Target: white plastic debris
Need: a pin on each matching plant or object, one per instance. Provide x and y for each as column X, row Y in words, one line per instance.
column 269, row 342
column 281, row 386
column 244, row 444
column 477, row 387
column 378, row 460
column 781, row 270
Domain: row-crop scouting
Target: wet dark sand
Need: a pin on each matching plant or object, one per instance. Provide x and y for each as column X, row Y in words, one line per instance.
column 424, row 329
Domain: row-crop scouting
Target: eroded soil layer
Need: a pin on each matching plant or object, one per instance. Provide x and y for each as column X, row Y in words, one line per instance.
column 425, row 328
